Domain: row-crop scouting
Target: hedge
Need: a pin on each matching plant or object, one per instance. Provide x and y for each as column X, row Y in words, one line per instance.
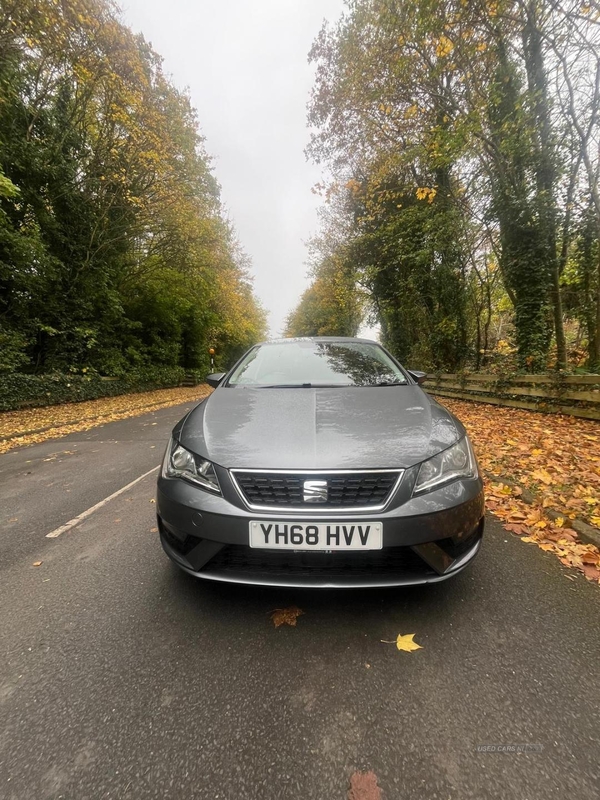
column 22, row 390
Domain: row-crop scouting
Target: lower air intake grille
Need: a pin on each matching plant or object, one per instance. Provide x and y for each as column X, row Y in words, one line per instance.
column 390, row 562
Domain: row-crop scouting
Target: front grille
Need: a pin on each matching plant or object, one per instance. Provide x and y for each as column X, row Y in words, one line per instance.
column 351, row 490
column 391, row 562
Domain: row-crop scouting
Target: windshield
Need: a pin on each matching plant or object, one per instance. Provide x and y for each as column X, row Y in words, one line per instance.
column 306, row 363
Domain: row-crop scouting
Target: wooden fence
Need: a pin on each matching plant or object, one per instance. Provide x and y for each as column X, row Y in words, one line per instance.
column 576, row 395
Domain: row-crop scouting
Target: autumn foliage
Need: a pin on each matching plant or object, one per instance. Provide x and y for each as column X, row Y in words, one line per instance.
column 462, row 141
column 115, row 252
column 35, row 425
column 555, row 458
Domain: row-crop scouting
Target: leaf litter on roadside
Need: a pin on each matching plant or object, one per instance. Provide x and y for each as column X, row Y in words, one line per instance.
column 60, row 420
column 545, row 454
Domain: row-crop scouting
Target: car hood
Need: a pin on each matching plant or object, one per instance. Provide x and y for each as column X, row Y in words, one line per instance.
column 312, row 429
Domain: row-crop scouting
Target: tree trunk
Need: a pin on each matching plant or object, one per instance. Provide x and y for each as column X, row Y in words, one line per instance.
column 594, row 340
column 557, row 311
column 545, row 166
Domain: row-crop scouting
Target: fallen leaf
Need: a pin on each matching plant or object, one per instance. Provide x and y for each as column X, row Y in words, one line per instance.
column 518, row 529
column 567, row 535
column 363, row 786
column 543, row 476
column 286, row 616
column 590, row 557
column 37, row 563
column 591, row 573
column 404, row 642
column 153, row 530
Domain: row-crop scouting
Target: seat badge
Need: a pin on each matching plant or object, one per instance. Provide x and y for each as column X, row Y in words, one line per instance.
column 315, row 491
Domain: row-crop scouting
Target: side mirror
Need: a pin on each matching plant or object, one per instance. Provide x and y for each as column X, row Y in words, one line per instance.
column 419, row 376
column 215, row 378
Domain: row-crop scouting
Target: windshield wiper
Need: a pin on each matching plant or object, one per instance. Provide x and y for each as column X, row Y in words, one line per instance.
column 305, row 386
column 285, row 386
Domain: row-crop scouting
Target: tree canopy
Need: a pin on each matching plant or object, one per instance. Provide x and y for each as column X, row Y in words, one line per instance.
column 462, row 138
column 115, row 251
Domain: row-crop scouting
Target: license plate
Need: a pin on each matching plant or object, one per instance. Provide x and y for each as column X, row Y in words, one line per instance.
column 274, row 535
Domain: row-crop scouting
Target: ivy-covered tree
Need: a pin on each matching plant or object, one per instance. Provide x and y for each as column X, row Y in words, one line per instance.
column 488, row 112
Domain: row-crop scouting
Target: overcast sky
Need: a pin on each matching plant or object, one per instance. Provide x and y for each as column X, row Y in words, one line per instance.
column 245, row 63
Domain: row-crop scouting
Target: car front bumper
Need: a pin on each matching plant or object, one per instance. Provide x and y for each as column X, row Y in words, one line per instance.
column 426, row 539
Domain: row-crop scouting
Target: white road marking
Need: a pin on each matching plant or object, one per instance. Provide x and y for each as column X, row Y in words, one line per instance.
column 76, row 520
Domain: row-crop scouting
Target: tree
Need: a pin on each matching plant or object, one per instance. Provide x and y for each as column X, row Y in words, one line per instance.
column 486, row 110
column 114, row 250
column 331, row 306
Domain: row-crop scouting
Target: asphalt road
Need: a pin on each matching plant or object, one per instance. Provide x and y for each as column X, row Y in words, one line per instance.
column 122, row 678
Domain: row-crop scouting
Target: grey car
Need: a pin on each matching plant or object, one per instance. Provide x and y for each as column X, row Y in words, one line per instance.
column 320, row 462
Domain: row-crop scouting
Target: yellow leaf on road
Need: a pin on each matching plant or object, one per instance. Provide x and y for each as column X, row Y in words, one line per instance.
column 404, row 642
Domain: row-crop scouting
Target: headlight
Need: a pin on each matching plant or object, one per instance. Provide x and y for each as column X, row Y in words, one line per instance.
column 180, row 463
column 456, row 462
